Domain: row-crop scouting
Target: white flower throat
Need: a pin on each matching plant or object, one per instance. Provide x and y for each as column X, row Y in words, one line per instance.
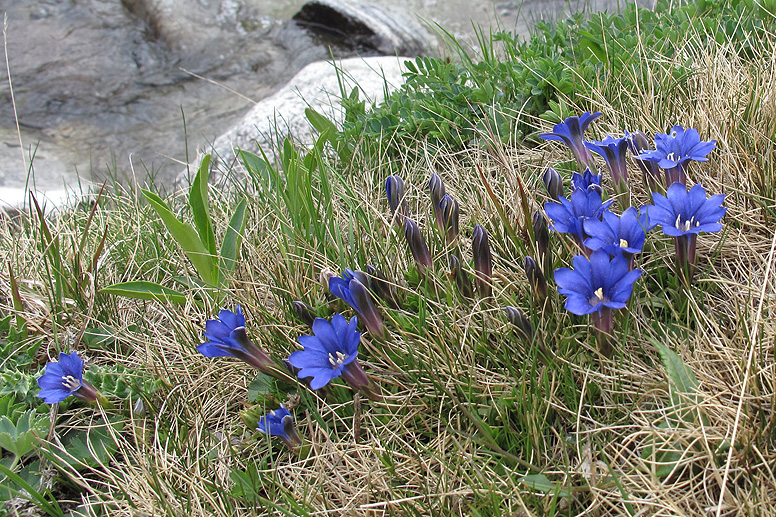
column 338, row 360
column 686, row 225
column 71, row 382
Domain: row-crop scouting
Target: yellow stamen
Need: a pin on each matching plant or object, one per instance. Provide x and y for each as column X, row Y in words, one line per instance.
column 338, row 360
column 599, row 293
column 623, row 243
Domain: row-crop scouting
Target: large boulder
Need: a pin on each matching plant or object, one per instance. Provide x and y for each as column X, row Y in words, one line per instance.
column 317, row 86
column 366, row 26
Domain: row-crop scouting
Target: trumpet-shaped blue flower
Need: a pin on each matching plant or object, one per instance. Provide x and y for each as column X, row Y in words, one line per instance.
column 675, row 149
column 598, row 283
column 614, row 152
column 280, row 423
column 330, row 353
column 678, row 147
column 65, row 378
column 638, row 144
column 227, row 338
column 570, row 131
column 680, row 212
column 568, row 216
column 351, row 288
column 624, row 234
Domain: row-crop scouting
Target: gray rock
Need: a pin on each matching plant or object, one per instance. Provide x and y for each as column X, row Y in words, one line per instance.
column 316, row 86
column 366, row 26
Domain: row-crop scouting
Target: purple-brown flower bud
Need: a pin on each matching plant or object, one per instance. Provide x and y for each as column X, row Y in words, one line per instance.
column 521, row 322
column 380, row 285
column 366, row 307
column 304, row 312
column 394, row 188
column 554, row 183
column 541, row 233
column 460, row 277
column 536, row 279
column 483, row 261
column 639, row 143
column 417, row 243
column 437, row 188
column 449, row 208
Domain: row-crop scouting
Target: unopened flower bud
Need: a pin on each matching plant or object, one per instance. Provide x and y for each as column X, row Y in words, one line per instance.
column 380, row 285
column 449, row 208
column 460, row 277
column 417, row 243
column 521, row 322
column 437, row 188
column 304, row 312
column 638, row 143
column 541, row 233
column 366, row 307
column 536, row 279
column 483, row 261
column 394, row 188
column 554, row 183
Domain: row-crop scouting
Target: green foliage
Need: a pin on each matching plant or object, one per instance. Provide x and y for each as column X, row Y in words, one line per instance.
column 451, row 104
column 198, row 242
column 19, row 436
column 16, row 349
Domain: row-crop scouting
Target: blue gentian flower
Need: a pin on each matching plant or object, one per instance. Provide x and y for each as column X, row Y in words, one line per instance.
column 683, row 215
column 437, row 188
column 680, row 212
column 553, row 182
column 417, row 244
column 624, row 234
column 227, row 338
column 330, row 353
column 65, row 378
column 614, row 152
column 280, row 423
column 597, row 286
column 570, row 131
column 351, row 288
column 483, row 261
column 675, row 149
column 568, row 216
column 586, row 181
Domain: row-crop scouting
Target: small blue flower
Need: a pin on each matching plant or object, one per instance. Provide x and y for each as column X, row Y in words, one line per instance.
column 613, row 234
column 351, row 288
column 570, row 131
column 587, row 181
column 568, row 216
column 65, row 378
column 595, row 284
column 394, row 189
column 227, row 338
column 329, row 353
column 680, row 212
column 614, row 152
column 280, row 423
column 678, row 147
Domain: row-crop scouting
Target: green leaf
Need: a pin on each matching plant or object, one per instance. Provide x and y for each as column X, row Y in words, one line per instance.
column 145, row 291
column 200, row 206
column 188, row 239
column 230, row 248
column 541, row 483
column 684, row 385
column 19, row 438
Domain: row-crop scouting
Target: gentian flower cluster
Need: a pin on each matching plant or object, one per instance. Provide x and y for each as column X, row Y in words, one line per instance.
column 602, row 278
